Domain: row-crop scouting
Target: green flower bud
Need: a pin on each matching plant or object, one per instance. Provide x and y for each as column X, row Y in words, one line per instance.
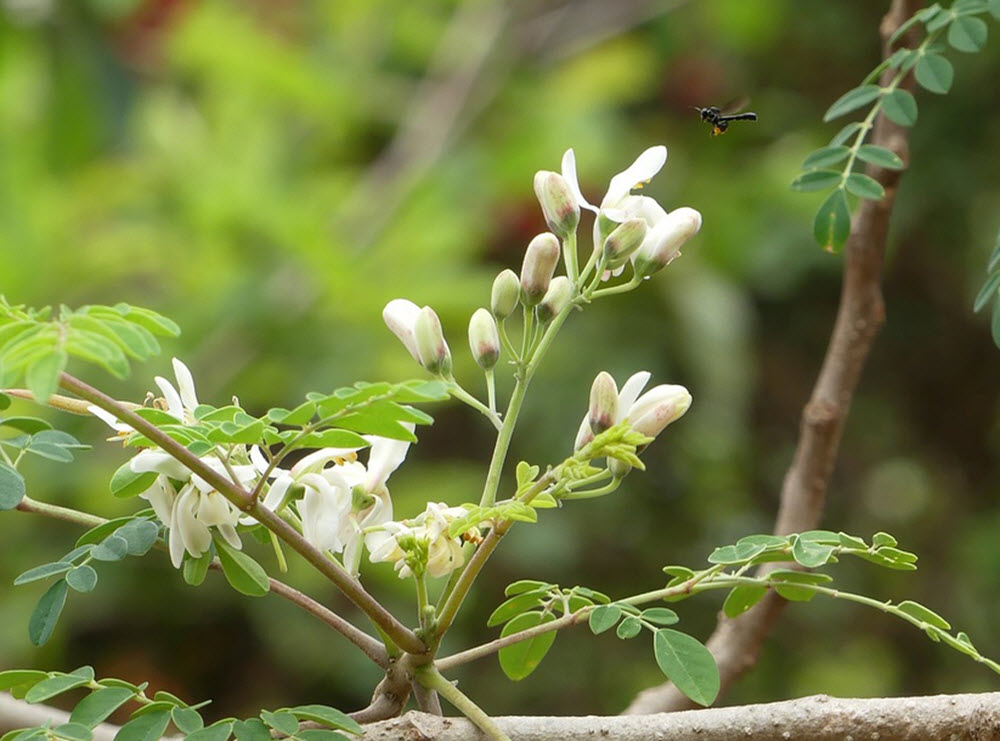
column 540, row 262
column 619, row 468
column 431, row 345
column 505, row 295
column 559, row 205
column 623, row 241
column 559, row 294
column 603, row 402
column 484, row 339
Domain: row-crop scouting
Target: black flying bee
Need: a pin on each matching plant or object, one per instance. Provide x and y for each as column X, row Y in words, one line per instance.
column 720, row 121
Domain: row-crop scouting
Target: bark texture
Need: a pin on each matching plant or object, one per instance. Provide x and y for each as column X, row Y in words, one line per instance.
column 969, row 717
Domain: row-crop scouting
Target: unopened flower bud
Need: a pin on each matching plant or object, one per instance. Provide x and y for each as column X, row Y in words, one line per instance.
column 400, row 316
column 663, row 242
column 657, row 408
column 484, row 339
column 540, row 262
column 559, row 294
column 619, row 468
column 505, row 295
column 603, row 403
column 624, row 240
column 559, row 205
column 431, row 346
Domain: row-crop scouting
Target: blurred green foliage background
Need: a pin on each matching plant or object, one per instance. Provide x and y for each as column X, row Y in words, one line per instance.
column 270, row 174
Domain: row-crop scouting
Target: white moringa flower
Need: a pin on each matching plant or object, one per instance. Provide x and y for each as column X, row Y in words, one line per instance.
column 641, row 171
column 422, row 544
column 648, row 413
column 666, row 231
column 341, row 497
column 180, row 402
column 188, row 505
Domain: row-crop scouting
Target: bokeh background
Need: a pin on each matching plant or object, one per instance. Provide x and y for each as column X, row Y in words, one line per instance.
column 270, row 174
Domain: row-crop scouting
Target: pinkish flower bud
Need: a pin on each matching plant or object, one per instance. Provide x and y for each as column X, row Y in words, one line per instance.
column 559, row 204
column 505, row 295
column 657, row 408
column 484, row 339
column 603, row 403
column 540, row 262
column 431, row 345
column 559, row 294
column 664, row 240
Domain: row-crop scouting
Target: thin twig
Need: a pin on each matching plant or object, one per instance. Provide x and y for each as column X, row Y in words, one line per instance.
column 736, row 642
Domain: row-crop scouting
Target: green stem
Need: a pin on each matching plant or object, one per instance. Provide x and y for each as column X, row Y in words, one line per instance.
column 402, row 635
column 593, row 493
column 422, row 603
column 450, row 607
column 869, row 120
column 570, row 256
column 527, row 330
column 502, row 444
column 691, row 586
column 464, row 396
column 505, row 342
column 429, row 677
column 631, row 285
column 56, row 512
column 491, row 390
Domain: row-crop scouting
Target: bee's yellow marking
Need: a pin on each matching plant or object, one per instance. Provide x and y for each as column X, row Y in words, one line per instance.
column 716, row 131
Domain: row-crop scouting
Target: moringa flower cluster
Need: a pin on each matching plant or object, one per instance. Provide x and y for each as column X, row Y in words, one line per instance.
column 646, row 413
column 629, row 230
column 335, row 499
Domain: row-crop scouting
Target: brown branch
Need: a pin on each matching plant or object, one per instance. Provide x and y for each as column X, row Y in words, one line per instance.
column 736, row 642
column 936, row 718
column 952, row 717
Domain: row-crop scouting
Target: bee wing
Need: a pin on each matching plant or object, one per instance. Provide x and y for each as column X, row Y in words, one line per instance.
column 735, row 105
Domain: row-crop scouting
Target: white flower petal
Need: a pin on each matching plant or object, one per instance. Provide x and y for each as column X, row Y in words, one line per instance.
column 195, row 535
column 159, row 462
column 185, row 384
column 317, row 459
column 569, row 175
column 161, row 497
column 645, row 167
column 109, row 419
column 630, row 392
column 323, row 510
column 386, row 456
column 215, row 509
column 231, row 536
column 175, row 407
